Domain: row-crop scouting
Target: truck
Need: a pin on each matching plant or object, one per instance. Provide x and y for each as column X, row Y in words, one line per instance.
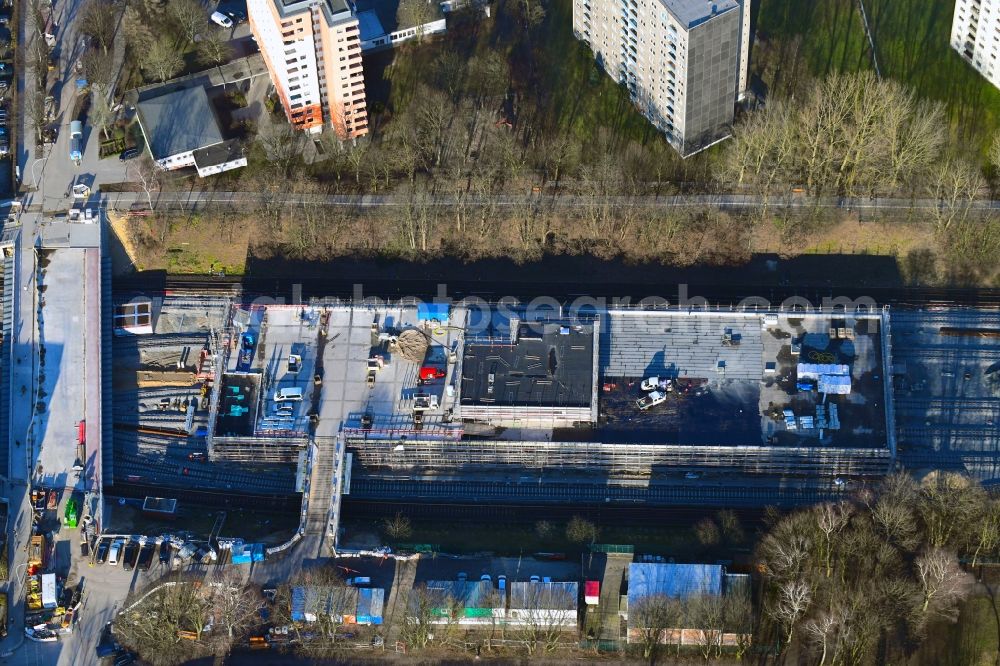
column 651, row 400
column 36, row 552
column 76, row 142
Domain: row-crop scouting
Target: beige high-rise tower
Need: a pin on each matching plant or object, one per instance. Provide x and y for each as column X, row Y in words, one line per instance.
column 312, row 49
column 975, row 34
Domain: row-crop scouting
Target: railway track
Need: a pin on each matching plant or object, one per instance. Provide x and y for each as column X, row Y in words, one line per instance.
column 460, row 287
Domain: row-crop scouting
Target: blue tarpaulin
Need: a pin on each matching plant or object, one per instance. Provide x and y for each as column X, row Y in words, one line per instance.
column 673, row 580
column 433, row 312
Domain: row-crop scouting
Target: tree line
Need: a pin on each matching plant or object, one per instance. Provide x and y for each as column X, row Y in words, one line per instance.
column 873, row 576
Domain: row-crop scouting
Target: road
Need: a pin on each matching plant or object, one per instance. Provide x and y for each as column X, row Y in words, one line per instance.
column 48, row 170
column 237, row 200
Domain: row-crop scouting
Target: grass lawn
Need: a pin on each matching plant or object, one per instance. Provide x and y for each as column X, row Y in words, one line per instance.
column 554, row 77
column 514, row 539
column 911, row 43
column 972, row 641
column 912, row 39
column 808, row 38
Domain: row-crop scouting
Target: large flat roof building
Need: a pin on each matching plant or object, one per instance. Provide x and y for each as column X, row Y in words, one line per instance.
column 684, row 61
column 975, row 34
column 312, row 49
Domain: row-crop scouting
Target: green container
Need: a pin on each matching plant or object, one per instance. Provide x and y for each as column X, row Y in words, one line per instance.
column 72, row 513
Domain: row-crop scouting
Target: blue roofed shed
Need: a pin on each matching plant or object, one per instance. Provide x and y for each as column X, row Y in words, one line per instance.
column 433, row 312
column 673, row 580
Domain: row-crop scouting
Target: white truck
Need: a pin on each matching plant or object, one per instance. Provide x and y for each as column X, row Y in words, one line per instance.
column 651, row 400
column 657, row 384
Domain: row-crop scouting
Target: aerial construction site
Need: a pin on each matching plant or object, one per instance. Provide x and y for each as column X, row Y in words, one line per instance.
column 440, row 402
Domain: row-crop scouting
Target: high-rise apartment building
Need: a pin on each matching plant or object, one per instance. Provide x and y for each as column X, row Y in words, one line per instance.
column 975, row 34
column 684, row 61
column 312, row 49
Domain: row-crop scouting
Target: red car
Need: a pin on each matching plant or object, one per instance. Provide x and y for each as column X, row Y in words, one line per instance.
column 429, row 373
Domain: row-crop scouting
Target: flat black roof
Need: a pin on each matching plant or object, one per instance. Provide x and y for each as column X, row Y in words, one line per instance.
column 238, row 405
column 550, row 365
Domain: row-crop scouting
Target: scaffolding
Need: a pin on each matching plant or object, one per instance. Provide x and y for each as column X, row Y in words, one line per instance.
column 634, row 461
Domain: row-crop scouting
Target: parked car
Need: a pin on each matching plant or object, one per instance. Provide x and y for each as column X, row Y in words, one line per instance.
column 486, row 578
column 502, row 583
column 131, row 553
column 220, row 19
column 236, row 16
column 115, row 553
column 146, row 556
column 129, row 154
column 102, row 550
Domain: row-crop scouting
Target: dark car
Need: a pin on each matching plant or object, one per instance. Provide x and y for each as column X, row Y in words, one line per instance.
column 107, row 646
column 128, row 154
column 165, row 552
column 102, row 550
column 146, row 556
column 131, row 553
column 84, row 549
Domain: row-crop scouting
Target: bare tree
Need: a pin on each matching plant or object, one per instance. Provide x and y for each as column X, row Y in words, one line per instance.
column 707, row 613
column 424, row 612
column 951, row 504
column 282, row 144
column 98, row 67
column 650, row 620
column 955, row 184
column 942, row 582
column 38, row 61
column 100, row 114
column 148, row 175
column 166, row 627
column 790, row 605
column 398, row 527
column 214, row 49
column 831, row 519
column 34, row 112
column 545, row 614
column 162, row 60
column 707, row 532
column 235, row 605
column 994, row 154
column 581, row 530
column 986, row 531
column 99, row 19
column 190, row 17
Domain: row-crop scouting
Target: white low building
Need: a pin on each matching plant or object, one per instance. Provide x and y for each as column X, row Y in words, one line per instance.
column 181, row 130
column 380, row 28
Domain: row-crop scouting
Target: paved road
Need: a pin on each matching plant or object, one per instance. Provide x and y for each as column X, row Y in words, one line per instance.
column 196, row 199
column 49, row 170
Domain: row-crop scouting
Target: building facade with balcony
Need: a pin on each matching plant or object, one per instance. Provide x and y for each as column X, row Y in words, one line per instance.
column 312, row 49
column 684, row 62
column 975, row 34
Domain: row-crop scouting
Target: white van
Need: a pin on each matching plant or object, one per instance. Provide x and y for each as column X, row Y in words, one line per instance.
column 220, row 19
column 288, row 394
column 116, row 549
